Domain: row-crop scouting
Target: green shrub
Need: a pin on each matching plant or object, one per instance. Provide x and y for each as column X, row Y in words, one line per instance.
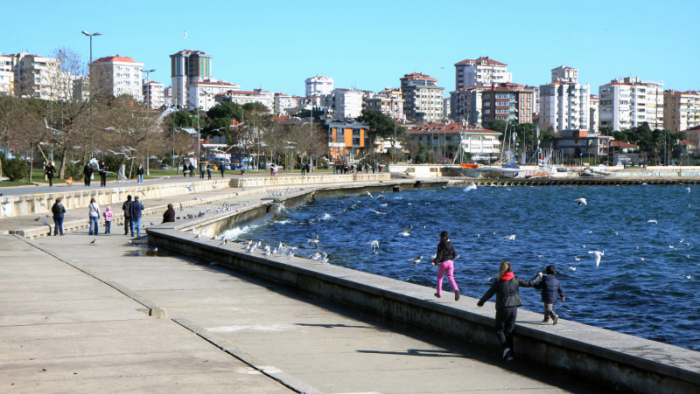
column 15, row 169
column 74, row 170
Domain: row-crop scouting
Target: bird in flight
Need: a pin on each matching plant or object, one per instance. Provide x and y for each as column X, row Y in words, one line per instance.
column 581, row 201
column 405, row 233
column 597, row 255
column 416, row 260
column 184, row 34
column 509, row 237
column 652, row 221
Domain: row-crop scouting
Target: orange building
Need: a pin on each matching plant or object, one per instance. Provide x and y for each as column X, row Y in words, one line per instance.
column 347, row 140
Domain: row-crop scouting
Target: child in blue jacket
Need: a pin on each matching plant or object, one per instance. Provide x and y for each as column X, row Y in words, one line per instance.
column 550, row 287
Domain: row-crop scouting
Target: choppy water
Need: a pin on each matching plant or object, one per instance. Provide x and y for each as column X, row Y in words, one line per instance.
column 650, row 298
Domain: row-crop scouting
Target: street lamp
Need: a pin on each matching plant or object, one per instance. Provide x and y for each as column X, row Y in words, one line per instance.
column 92, row 146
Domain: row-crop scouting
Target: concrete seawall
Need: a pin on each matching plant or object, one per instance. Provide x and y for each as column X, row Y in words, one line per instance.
column 313, row 179
column 624, row 362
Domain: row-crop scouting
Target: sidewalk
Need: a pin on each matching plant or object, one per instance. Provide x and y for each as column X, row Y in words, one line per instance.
column 58, row 319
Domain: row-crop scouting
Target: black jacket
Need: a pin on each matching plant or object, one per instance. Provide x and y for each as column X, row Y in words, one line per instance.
column 169, row 215
column 127, row 208
column 445, row 252
column 139, row 171
column 136, row 209
column 58, row 210
column 550, row 287
column 50, row 171
column 506, row 291
column 87, row 170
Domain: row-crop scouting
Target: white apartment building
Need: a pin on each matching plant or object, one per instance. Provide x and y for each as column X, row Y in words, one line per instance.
column 389, row 101
column 283, row 101
column 481, row 71
column 37, row 77
column 188, row 67
column 319, row 85
column 564, row 103
column 346, row 103
column 422, row 98
column 119, row 75
column 248, row 96
column 629, row 102
column 203, row 94
column 7, row 76
column 153, row 94
column 446, row 108
column 467, row 104
column 594, row 113
column 681, row 110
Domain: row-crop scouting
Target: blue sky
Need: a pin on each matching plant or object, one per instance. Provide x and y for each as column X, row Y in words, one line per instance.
column 371, row 44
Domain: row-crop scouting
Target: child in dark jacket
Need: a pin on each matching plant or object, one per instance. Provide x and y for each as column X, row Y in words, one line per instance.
column 550, row 287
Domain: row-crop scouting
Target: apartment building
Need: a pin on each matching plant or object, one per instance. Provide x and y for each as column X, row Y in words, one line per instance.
column 466, row 104
column 446, row 108
column 348, row 139
column 481, row 71
column 153, row 94
column 594, row 111
column 422, row 98
column 388, row 101
column 7, row 76
column 243, row 97
column 345, row 103
column 483, row 144
column 629, row 102
column 564, row 103
column 510, row 102
column 319, row 85
column 681, row 110
column 282, row 102
column 186, row 68
column 203, row 94
column 34, row 76
column 118, row 75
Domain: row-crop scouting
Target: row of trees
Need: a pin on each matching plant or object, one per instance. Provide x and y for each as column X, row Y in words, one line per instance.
column 658, row 142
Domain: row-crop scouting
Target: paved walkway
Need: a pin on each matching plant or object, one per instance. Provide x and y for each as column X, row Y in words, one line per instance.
column 61, row 330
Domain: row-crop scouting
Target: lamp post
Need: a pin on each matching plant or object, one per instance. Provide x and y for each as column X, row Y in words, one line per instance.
column 92, row 146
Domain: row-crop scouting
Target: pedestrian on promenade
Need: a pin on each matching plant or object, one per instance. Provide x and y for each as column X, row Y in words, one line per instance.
column 191, row 168
column 507, row 302
column 50, row 171
column 223, row 168
column 94, row 216
column 209, row 172
column 169, row 215
column 139, row 172
column 303, row 167
column 58, row 211
column 202, row 168
column 550, row 287
column 103, row 175
column 109, row 216
column 374, row 168
column 136, row 211
column 444, row 260
column 87, row 171
column 126, row 207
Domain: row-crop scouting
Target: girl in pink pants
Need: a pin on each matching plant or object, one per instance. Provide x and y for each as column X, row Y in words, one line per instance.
column 445, row 255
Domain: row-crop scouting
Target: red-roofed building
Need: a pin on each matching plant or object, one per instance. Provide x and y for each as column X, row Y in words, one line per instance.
column 481, row 71
column 564, row 103
column 422, row 98
column 624, row 147
column 119, row 75
column 483, row 144
column 681, row 110
column 153, row 94
column 481, row 104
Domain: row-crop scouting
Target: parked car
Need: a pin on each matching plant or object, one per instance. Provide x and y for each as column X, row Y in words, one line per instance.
column 164, row 167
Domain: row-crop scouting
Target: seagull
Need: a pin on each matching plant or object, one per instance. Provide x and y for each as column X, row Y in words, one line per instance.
column 380, row 196
column 290, row 254
column 314, row 241
column 369, row 194
column 688, row 189
column 571, row 267
column 671, row 246
column 577, row 258
column 653, row 221
column 598, row 255
column 405, row 233
column 375, row 245
column 509, row 237
column 687, row 276
column 224, row 242
column 581, row 201
column 377, row 212
column 320, row 257
column 416, row 260
column 184, row 35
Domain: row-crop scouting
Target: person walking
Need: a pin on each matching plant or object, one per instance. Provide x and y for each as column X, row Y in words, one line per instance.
column 109, row 216
column 202, row 168
column 209, row 172
column 303, row 167
column 50, row 171
column 507, row 303
column 87, row 171
column 136, row 212
column 223, row 168
column 126, row 207
column 374, row 168
column 444, row 260
column 550, row 287
column 103, row 175
column 139, row 172
column 58, row 211
column 94, row 216
column 169, row 214
column 191, row 168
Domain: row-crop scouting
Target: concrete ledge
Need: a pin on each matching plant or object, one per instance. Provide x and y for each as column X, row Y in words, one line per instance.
column 313, row 179
column 41, row 203
column 627, row 363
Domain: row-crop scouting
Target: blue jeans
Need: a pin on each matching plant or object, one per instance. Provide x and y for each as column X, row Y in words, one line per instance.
column 58, row 225
column 140, row 179
column 93, row 225
column 108, row 226
column 136, row 223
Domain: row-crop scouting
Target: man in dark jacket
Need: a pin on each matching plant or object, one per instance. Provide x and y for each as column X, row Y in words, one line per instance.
column 87, row 171
column 191, row 168
column 550, row 287
column 50, row 172
column 202, row 168
column 127, row 215
column 103, row 175
column 58, row 211
column 135, row 210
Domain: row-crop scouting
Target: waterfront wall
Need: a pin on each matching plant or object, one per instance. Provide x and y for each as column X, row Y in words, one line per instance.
column 624, row 362
column 42, row 203
column 313, row 179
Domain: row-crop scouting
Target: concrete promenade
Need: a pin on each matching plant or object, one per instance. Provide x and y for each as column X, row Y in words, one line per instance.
column 64, row 331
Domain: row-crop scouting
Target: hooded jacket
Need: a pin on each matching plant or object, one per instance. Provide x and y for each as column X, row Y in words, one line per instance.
column 550, row 287
column 445, row 252
column 108, row 214
column 506, row 291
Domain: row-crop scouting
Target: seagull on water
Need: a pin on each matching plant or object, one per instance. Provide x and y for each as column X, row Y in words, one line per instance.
column 577, row 258
column 375, row 245
column 509, row 237
column 652, row 221
column 314, row 241
column 416, row 260
column 405, row 233
column 369, row 194
column 597, row 255
column 581, row 201
column 377, row 212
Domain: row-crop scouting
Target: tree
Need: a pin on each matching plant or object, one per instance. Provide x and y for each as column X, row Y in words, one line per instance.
column 182, row 119
column 380, row 125
column 225, row 110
